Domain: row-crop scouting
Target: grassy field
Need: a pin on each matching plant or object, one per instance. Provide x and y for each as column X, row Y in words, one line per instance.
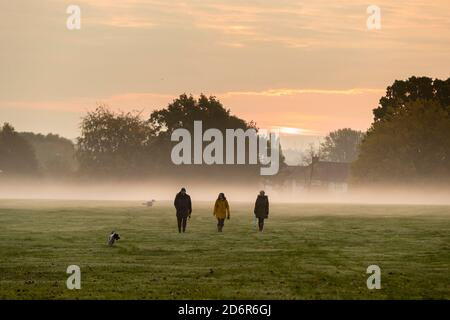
column 306, row 252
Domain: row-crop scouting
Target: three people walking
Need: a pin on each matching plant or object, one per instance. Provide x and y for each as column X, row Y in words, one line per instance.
column 221, row 211
column 183, row 208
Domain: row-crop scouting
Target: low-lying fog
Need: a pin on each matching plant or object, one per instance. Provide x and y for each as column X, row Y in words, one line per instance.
column 159, row 191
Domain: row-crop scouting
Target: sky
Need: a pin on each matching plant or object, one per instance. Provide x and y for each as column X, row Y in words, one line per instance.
column 309, row 67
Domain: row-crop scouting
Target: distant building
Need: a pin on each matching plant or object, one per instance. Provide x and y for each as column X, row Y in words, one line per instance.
column 319, row 175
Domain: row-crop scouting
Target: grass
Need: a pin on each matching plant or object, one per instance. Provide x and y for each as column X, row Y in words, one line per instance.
column 306, row 252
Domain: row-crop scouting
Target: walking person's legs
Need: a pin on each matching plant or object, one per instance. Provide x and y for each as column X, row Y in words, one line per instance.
column 179, row 220
column 220, row 224
column 184, row 223
column 261, row 224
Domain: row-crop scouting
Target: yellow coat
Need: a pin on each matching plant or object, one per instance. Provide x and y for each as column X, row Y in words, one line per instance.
column 221, row 209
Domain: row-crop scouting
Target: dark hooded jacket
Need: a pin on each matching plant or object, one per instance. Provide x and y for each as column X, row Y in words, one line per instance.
column 262, row 207
column 183, row 204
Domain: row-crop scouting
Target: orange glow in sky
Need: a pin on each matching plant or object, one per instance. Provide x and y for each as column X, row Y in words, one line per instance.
column 305, row 67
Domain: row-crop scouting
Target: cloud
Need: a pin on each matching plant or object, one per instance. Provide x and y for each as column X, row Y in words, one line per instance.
column 287, row 91
column 302, row 64
column 292, row 24
column 316, row 111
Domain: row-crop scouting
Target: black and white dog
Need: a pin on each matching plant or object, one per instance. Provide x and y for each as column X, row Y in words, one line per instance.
column 113, row 237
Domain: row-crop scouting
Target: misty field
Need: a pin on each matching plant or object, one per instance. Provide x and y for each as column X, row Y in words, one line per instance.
column 306, row 252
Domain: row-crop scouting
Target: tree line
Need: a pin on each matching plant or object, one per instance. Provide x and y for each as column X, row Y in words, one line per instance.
column 124, row 145
column 33, row 155
column 408, row 141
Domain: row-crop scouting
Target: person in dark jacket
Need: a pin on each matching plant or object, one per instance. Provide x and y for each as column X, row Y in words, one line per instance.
column 183, row 206
column 261, row 209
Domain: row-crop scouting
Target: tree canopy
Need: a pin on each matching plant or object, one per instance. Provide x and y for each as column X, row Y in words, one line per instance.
column 341, row 145
column 415, row 88
column 17, row 156
column 117, row 144
column 181, row 113
column 114, row 144
column 411, row 145
column 409, row 140
column 184, row 110
column 55, row 154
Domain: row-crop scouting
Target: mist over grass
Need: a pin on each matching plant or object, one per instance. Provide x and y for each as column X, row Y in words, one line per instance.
column 165, row 189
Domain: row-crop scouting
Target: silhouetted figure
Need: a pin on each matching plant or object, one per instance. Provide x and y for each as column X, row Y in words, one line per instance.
column 261, row 209
column 221, row 211
column 183, row 206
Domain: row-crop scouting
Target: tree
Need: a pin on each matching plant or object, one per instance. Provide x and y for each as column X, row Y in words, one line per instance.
column 313, row 151
column 341, row 145
column 114, row 144
column 411, row 145
column 182, row 113
column 55, row 154
column 403, row 91
column 17, row 156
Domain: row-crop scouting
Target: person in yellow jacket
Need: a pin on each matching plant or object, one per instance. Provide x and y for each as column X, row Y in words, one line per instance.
column 221, row 211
